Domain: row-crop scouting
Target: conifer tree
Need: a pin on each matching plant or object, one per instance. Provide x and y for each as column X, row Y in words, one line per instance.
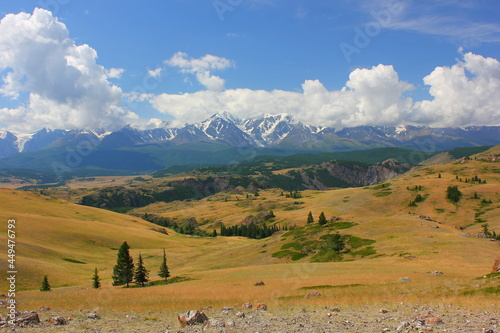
column 96, row 280
column 123, row 272
column 453, row 194
column 310, row 218
column 45, row 284
column 141, row 273
column 337, row 243
column 164, row 272
column 322, row 219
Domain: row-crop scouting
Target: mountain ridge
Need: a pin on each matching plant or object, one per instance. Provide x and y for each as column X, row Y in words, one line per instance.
column 266, row 131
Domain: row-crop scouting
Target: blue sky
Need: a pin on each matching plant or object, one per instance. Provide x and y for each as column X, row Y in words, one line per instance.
column 297, row 49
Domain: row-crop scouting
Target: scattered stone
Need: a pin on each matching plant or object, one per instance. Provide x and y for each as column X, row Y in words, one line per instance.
column 227, row 308
column 192, row 317
column 402, row 325
column 261, row 306
column 335, row 310
column 213, row 323
column 247, row 305
column 27, row 318
column 98, row 309
column 496, row 265
column 44, row 308
column 429, row 319
column 313, row 294
column 132, row 317
column 230, row 323
column 383, row 311
column 437, row 273
column 240, row 314
column 59, row 320
column 93, row 315
column 405, row 279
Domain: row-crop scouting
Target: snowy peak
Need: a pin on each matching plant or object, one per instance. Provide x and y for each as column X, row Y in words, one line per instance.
column 266, row 131
column 8, row 144
column 41, row 139
column 228, row 117
column 269, row 129
column 224, row 128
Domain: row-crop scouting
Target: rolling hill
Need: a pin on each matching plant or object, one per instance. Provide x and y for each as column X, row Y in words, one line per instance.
column 67, row 241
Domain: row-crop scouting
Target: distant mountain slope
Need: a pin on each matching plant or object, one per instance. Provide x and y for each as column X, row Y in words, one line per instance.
column 134, row 150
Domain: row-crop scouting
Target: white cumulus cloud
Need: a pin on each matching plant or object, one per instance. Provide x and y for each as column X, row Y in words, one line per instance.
column 66, row 88
column 202, row 68
column 370, row 96
column 466, row 93
column 115, row 73
column 155, row 72
column 463, row 95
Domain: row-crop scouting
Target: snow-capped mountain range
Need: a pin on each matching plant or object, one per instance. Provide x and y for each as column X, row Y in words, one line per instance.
column 280, row 130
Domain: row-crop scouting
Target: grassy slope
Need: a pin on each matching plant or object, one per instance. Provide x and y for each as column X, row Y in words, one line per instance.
column 225, row 269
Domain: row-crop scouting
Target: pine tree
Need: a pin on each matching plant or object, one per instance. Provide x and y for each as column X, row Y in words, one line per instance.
column 164, row 273
column 337, row 243
column 310, row 218
column 453, row 194
column 141, row 273
column 123, row 272
column 214, row 233
column 45, row 284
column 96, row 280
column 486, row 229
column 322, row 219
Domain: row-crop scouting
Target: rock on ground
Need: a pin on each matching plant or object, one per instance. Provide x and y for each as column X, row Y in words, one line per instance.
column 365, row 318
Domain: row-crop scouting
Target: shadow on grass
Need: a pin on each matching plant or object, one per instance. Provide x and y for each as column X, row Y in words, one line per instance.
column 175, row 279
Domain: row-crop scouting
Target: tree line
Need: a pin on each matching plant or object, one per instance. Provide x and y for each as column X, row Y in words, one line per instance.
column 254, row 231
column 124, row 272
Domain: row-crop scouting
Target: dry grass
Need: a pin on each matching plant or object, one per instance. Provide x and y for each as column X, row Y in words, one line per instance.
column 377, row 280
column 225, row 269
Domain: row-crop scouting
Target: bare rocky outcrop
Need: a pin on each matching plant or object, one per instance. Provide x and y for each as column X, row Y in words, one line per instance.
column 27, row 318
column 347, row 174
column 192, row 317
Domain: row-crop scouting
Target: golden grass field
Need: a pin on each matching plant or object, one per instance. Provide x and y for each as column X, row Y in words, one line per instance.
column 224, row 269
